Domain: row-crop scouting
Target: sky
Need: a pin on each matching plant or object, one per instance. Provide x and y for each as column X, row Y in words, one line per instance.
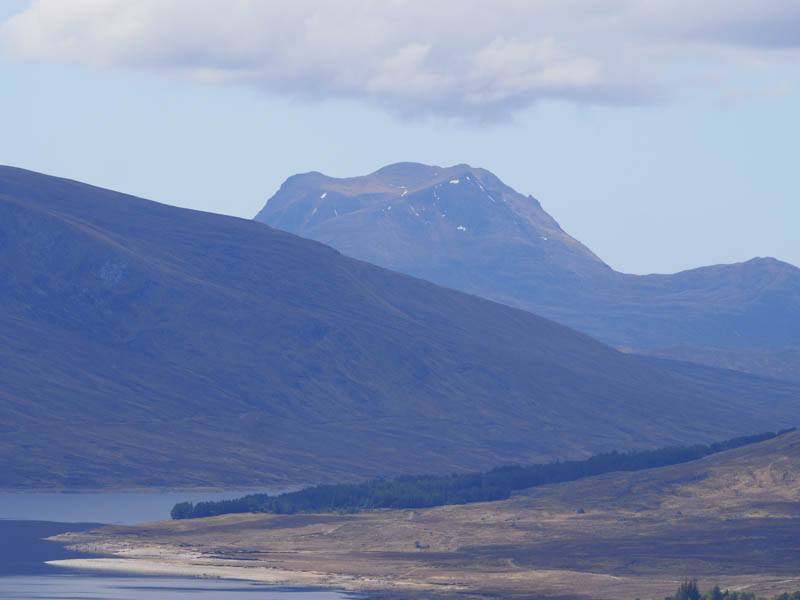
column 662, row 134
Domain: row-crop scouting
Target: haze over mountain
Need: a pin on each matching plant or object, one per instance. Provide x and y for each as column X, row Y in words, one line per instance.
column 143, row 344
column 463, row 228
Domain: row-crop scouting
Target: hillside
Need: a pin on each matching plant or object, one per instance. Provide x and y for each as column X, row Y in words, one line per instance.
column 730, row 519
column 777, row 364
column 146, row 345
column 755, row 481
column 463, row 228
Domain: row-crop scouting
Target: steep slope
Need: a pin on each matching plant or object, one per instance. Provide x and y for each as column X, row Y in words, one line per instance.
column 142, row 344
column 458, row 226
column 463, row 228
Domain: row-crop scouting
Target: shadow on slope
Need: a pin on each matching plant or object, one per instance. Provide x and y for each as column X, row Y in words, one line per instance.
column 142, row 344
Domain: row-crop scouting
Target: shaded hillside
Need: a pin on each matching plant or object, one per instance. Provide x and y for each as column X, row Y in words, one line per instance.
column 716, row 378
column 463, row 228
column 731, row 519
column 142, row 344
column 777, row 364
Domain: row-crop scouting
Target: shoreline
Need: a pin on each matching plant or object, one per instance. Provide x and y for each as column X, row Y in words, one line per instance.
column 164, row 567
column 157, row 490
column 144, row 558
column 198, row 567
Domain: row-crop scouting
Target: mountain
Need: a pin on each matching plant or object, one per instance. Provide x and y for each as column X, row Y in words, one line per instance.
column 147, row 345
column 463, row 228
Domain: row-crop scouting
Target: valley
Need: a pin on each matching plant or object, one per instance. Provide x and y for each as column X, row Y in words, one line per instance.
column 399, row 300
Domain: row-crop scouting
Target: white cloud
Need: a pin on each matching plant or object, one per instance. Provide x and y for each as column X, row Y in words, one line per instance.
column 468, row 58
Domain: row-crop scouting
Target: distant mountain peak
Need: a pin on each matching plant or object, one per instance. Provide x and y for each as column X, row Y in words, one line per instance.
column 462, row 227
column 770, row 261
column 414, row 170
column 400, row 208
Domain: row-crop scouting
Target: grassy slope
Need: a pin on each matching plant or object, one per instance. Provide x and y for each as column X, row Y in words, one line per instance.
column 142, row 344
column 778, row 364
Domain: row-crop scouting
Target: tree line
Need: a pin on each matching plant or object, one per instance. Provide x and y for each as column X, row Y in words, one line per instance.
column 424, row 491
column 688, row 590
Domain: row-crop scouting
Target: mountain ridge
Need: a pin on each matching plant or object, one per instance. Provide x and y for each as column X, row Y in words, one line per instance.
column 467, row 230
column 148, row 345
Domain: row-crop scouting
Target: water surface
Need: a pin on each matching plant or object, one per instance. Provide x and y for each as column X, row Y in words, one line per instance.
column 113, row 507
column 25, row 519
column 23, row 548
column 80, row 587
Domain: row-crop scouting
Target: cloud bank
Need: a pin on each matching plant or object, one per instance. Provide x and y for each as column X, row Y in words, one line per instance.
column 467, row 58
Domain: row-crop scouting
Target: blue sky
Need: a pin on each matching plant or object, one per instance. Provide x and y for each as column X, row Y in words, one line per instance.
column 672, row 149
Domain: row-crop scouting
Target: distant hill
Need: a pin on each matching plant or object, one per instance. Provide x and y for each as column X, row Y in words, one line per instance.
column 463, row 228
column 147, row 345
column 755, row 480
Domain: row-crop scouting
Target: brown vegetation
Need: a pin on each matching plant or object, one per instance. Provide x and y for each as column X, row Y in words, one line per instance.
column 731, row 519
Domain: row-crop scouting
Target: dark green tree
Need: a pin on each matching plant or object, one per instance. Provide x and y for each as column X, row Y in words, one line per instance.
column 688, row 590
column 182, row 510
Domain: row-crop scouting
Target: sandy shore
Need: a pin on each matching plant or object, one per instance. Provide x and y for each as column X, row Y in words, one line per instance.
column 548, row 582
column 139, row 566
column 205, row 568
column 144, row 560
column 201, row 568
